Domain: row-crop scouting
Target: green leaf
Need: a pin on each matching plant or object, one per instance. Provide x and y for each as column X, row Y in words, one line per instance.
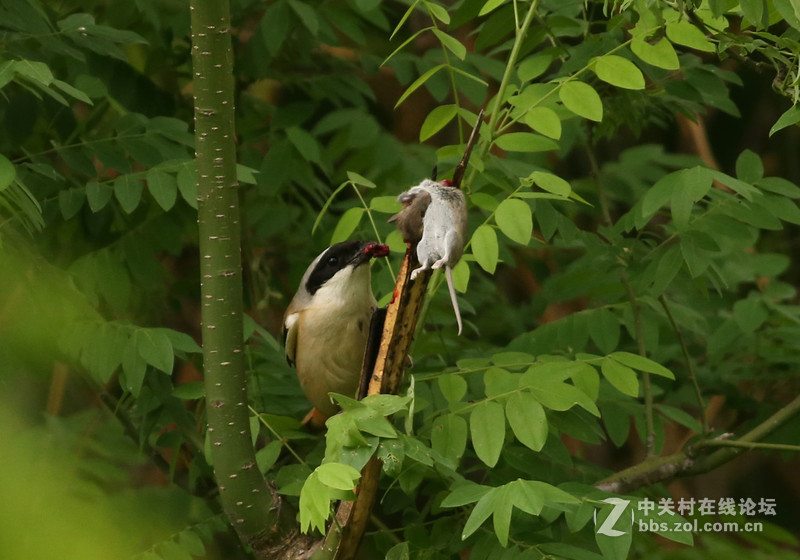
column 134, row 367
column 693, row 184
column 155, row 348
column 451, row 43
column 189, row 391
column 642, row 364
column 467, row 493
column 7, row 172
column 7, row 72
column 661, row 54
column 527, row 420
column 315, row 503
column 750, row 314
column 306, row 144
column 513, row 217
column 268, row 455
column 696, row 258
column 679, row 416
column 307, row 15
column 246, row 174
column 449, row 436
column 754, row 12
column 437, row 120
column 533, row 66
column 338, row 475
column 487, row 425
column 461, row 276
column 619, row 71
column 98, row 195
column 453, row 387
column 790, row 10
column 128, row 192
column 545, row 121
column 439, row 12
column 347, row 224
column 604, row 330
column 489, row 6
column 587, row 380
column 551, row 183
column 417, row 83
column 557, row 395
column 480, row 513
column 684, row 33
column 501, row 518
column 749, row 167
column 485, row 248
column 191, row 542
column 163, row 187
column 400, row 551
column 667, row 268
column 525, row 142
column 170, row 550
column 581, row 99
column 498, row 381
column 360, row 180
column 187, row 184
column 780, row 186
column 536, row 491
column 70, row 201
column 789, row 118
column 37, row 72
column 72, row 91
column 620, row 376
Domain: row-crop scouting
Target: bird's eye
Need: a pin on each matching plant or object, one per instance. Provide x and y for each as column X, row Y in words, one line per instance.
column 333, row 261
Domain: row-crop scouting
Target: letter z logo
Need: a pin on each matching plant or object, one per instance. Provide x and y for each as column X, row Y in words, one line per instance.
column 607, row 526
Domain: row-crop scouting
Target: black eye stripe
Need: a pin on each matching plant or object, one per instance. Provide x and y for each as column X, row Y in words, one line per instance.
column 333, row 260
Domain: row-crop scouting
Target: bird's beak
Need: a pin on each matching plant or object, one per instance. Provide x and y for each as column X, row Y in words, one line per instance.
column 369, row 250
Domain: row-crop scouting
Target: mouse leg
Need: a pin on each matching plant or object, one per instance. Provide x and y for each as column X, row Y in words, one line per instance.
column 449, row 242
column 425, row 266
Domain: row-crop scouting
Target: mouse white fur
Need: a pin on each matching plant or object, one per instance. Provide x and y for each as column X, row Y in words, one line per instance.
column 444, row 232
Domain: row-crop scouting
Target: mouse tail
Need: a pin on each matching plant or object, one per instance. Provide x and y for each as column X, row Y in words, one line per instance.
column 449, row 274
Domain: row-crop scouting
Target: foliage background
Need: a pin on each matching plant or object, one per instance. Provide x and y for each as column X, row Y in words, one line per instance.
column 102, row 415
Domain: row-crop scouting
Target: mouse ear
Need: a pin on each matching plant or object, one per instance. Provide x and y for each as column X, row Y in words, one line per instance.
column 434, row 172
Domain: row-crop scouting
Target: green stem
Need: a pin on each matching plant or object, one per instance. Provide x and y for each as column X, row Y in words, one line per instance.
column 520, row 32
column 245, row 496
column 452, row 77
column 749, row 445
column 646, row 389
column 684, row 348
column 374, row 228
column 511, row 67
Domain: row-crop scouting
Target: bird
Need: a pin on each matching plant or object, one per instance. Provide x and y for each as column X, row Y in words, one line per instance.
column 326, row 325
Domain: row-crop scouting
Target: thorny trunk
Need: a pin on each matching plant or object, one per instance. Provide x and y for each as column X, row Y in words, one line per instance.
column 245, row 496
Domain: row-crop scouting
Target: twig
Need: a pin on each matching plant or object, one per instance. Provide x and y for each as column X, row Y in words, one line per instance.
column 601, row 188
column 701, row 403
column 458, row 174
column 688, row 462
column 646, row 389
